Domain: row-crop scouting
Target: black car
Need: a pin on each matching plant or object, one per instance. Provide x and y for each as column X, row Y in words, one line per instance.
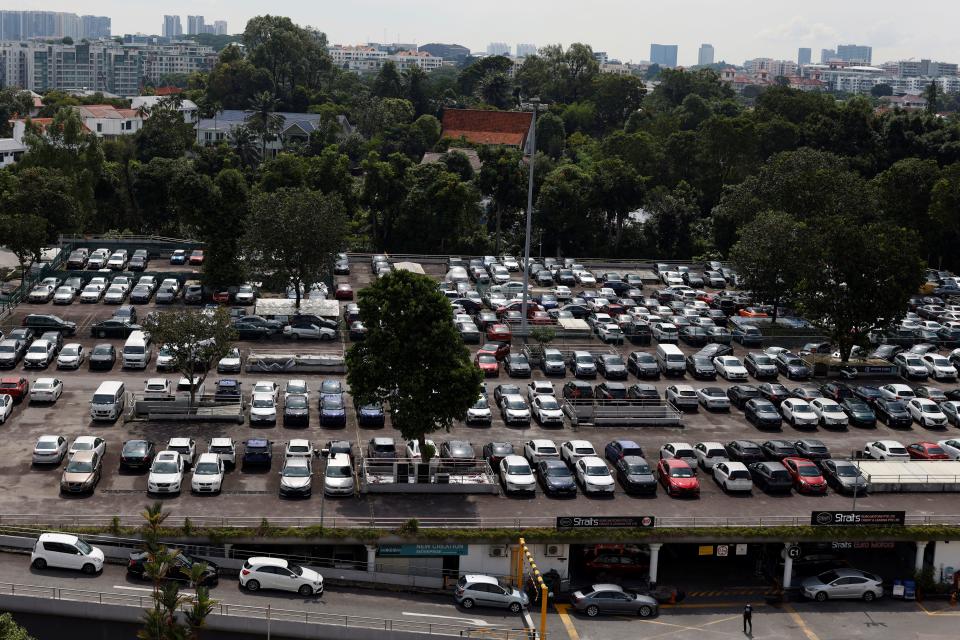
column 572, row 390
column 892, row 413
column 643, row 365
column 740, row 394
column 114, row 328
column 332, row 410
column 635, row 475
column 771, row 477
column 812, row 449
column 41, row 322
column 760, row 365
column 517, row 365
column 836, row 391
column 556, row 478
column 778, row 449
column 137, row 454
column 745, row 451
column 775, row 393
column 694, row 336
column 273, row 326
column 296, row 411
column 867, row 393
column 715, row 350
column 334, row 447
column 806, row 392
column 228, row 390
column 257, row 452
column 370, row 415
column 494, row 452
column 103, row 357
column 646, row 392
column 612, row 367
column 179, row 569
column 250, row 330
column 762, row 414
column 791, row 366
column 610, row 391
column 701, row 368
column 859, row 412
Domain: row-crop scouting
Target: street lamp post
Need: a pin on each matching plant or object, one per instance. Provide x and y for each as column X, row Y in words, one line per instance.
column 526, row 241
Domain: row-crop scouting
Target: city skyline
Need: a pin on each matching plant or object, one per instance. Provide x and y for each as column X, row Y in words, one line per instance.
column 892, row 32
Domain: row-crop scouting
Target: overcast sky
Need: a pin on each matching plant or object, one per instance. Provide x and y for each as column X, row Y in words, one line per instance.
column 738, row 29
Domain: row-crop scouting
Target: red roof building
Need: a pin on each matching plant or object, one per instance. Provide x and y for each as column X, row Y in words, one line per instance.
column 509, row 128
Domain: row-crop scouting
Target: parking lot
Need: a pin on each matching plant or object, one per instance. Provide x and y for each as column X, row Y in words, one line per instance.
column 32, row 489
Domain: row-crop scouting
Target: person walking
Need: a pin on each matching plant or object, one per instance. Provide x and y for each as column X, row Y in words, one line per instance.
column 748, row 619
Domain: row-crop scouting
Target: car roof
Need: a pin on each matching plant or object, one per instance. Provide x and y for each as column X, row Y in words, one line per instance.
column 515, row 459
column 48, row 437
column 476, row 577
column 260, row 561
column 179, row 442
column 58, row 537
column 606, row 587
column 257, row 442
column 382, row 440
column 580, row 443
column 221, row 442
column 543, row 443
column 339, row 460
column 208, row 457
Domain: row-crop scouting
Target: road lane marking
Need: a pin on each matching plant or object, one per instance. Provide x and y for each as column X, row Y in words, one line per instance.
column 147, row 589
column 475, row 621
column 798, row 620
column 567, row 621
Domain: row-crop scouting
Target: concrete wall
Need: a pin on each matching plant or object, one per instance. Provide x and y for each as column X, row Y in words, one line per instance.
column 479, row 560
column 946, row 560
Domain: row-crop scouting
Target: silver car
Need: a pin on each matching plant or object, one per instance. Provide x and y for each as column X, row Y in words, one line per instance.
column 844, row 476
column 843, row 583
column 611, row 598
column 486, row 591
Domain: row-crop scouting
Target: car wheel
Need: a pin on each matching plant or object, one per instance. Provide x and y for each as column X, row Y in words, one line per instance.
column 40, row 564
column 89, row 569
column 514, row 607
column 294, row 336
column 252, row 585
column 467, row 603
column 101, row 334
column 592, row 611
column 869, row 596
column 645, row 611
column 305, row 590
column 821, row 596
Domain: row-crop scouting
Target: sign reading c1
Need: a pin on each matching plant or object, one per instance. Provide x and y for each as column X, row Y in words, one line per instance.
column 605, row 522
column 794, row 552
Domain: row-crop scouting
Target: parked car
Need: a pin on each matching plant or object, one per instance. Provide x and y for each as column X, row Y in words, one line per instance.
column 486, row 591
column 279, row 574
column 66, row 551
column 612, row 599
column 843, row 583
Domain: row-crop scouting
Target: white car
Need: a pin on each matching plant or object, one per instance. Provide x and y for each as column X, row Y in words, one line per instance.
column 539, row 388
column 897, row 391
column 610, row 333
column 938, row 367
column 536, row 450
column 171, row 283
column 730, row 368
column 732, row 476
column 798, row 412
column 665, row 332
column 65, row 551
column 886, row 450
column 46, row 390
column 709, row 453
column 951, row 448
column 681, row 451
column 516, row 475
column 263, row 409
column 186, row 447
column 224, row 448
column 585, row 278
column 514, row 409
column 117, row 261
column 309, row 331
column 296, row 477
column 207, row 474
column 546, row 411
column 245, row 294
column 115, row 294
column 230, row 363
column 71, row 356
column 480, row 412
column 266, row 386
column 413, row 448
column 573, row 450
column 64, row 295
column 166, row 473
column 910, row 366
column 926, row 412
column 41, row 293
column 594, row 475
column 40, row 354
column 682, row 396
column 829, row 412
column 92, row 293
column 713, row 398
column 157, row 389
column 6, row 407
column 49, row 450
column 298, row 448
column 276, row 573
column 338, row 476
column 88, row 443
column 296, row 388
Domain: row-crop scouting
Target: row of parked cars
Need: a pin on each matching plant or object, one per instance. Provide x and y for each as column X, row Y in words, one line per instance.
column 121, row 259
column 121, row 289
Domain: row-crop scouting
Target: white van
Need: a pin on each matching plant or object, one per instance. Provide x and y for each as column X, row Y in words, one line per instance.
column 456, row 274
column 67, row 552
column 109, row 401
column 670, row 360
column 137, row 351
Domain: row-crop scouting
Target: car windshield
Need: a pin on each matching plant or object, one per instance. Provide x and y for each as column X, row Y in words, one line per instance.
column 557, row 471
column 762, row 360
column 638, row 469
column 165, row 467
column 38, row 348
column 481, row 403
column 6, row 348
column 807, row 470
column 76, row 466
column 296, row 471
column 546, row 402
column 847, row 471
column 802, row 408
column 134, row 448
column 516, row 403
column 896, row 406
column 486, row 359
column 338, row 471
column 645, row 358
column 332, row 403
column 262, row 403
column 585, row 359
column 207, row 469
column 46, row 444
column 102, row 351
column 296, row 402
column 681, row 472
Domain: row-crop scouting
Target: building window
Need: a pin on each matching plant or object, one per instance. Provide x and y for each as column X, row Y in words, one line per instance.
column 99, row 127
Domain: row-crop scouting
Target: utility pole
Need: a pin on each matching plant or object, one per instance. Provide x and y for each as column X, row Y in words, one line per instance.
column 526, row 240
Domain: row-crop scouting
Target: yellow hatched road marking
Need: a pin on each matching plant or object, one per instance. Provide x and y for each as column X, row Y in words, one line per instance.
column 800, row 622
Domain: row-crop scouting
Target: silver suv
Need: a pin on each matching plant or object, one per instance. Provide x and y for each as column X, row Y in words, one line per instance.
column 486, row 591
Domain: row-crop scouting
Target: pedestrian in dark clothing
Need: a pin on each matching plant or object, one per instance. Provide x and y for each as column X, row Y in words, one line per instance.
column 748, row 619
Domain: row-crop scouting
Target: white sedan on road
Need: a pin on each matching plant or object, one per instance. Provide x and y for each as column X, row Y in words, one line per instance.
column 730, row 367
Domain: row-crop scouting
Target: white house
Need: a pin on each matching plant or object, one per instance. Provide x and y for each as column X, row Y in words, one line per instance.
column 187, row 107
column 105, row 120
column 10, row 151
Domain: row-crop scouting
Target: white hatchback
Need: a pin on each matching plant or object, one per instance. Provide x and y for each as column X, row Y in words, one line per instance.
column 279, row 574
column 66, row 551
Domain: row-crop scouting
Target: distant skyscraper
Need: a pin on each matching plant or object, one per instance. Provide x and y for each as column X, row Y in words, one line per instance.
column 23, row 25
column 855, row 53
column 664, row 55
column 706, row 54
column 526, row 49
column 826, row 55
column 498, row 49
column 804, row 55
column 220, row 27
column 172, row 27
column 194, row 25
column 601, row 57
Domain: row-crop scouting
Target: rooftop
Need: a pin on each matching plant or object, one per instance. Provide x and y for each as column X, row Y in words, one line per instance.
column 487, row 127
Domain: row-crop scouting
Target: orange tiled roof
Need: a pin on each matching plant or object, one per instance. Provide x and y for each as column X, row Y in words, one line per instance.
column 487, row 127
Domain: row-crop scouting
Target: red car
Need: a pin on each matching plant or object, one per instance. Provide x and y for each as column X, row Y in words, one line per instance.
column 499, row 349
column 499, row 333
column 806, row 475
column 752, row 312
column 488, row 363
column 926, row 451
column 677, row 477
column 196, row 257
column 517, row 305
column 222, row 297
column 541, row 317
column 16, row 388
column 344, row 292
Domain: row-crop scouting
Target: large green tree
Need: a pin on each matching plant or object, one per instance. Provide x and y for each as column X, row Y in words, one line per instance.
column 10, row 630
column 503, row 178
column 413, row 359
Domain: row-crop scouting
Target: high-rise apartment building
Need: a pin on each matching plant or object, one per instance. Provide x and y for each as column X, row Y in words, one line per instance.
column 826, row 55
column 855, row 53
column 664, row 55
column 526, row 49
column 195, row 25
column 804, row 56
column 23, row 25
column 498, row 49
column 220, row 27
column 705, row 56
column 172, row 27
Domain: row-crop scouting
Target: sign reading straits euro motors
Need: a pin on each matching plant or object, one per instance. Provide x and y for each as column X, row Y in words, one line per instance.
column 604, row 522
column 857, row 518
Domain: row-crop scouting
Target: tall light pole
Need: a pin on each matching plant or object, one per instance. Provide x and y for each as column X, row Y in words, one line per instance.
column 526, row 241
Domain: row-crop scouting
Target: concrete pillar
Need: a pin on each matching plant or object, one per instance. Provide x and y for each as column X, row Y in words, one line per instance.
column 227, row 549
column 654, row 562
column 371, row 558
column 918, row 563
column 787, row 566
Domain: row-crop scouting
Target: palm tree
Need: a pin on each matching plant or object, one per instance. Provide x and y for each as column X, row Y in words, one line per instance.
column 154, row 516
column 243, row 142
column 264, row 120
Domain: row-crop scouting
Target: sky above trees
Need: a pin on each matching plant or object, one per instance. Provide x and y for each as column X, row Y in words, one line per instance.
column 738, row 29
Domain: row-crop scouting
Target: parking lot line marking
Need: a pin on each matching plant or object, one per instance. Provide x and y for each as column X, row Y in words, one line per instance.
column 475, row 621
column 941, row 612
column 798, row 620
column 567, row 621
column 707, row 605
